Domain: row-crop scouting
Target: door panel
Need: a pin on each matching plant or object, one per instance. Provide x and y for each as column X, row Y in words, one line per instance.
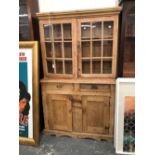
column 58, row 46
column 96, row 52
column 59, row 112
column 96, row 114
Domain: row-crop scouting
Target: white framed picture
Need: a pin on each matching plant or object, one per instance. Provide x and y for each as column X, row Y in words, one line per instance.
column 124, row 134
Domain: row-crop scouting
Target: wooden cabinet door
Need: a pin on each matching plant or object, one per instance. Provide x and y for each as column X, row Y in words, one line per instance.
column 59, row 48
column 96, row 114
column 98, row 46
column 59, row 112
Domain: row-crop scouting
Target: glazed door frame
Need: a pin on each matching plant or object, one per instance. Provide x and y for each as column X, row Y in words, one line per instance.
column 114, row 19
column 74, row 48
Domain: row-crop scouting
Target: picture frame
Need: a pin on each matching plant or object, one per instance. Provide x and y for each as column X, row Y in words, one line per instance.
column 124, row 130
column 28, row 93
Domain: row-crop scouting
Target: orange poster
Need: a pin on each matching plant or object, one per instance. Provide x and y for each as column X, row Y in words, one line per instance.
column 129, row 124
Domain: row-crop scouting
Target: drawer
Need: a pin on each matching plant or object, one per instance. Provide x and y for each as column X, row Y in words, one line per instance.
column 59, row 86
column 95, row 87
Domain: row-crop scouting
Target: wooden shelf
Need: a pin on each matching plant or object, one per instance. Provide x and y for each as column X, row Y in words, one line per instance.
column 96, row 58
column 92, row 39
column 66, row 59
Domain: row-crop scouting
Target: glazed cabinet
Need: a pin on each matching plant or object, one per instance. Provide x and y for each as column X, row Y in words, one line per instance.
column 28, row 26
column 80, row 46
column 126, row 61
column 79, row 53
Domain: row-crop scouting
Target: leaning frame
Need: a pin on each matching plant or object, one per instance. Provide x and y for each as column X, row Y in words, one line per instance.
column 33, row 46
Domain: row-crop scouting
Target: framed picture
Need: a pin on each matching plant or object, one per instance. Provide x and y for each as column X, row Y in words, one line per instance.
column 124, row 140
column 28, row 93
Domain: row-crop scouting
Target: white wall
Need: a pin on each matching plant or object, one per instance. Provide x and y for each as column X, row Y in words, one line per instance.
column 67, row 5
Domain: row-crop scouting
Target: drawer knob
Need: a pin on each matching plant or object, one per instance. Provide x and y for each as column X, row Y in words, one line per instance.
column 59, row 85
column 70, row 97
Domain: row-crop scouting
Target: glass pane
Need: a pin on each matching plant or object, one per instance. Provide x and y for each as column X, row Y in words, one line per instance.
column 49, row 52
column 85, row 67
column 24, row 29
column 68, row 67
column 85, row 49
column 57, row 31
column 107, row 48
column 58, row 50
column 108, row 29
column 68, row 50
column 59, row 67
column 48, row 32
column 96, row 67
column 96, row 49
column 96, row 30
column 67, row 31
column 50, row 66
column 23, row 7
column 107, row 67
column 85, row 30
column 24, row 25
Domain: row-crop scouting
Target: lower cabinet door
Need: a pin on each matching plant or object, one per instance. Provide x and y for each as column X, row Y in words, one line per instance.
column 59, row 112
column 96, row 114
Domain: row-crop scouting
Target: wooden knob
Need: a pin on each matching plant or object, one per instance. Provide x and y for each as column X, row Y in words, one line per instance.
column 59, row 85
